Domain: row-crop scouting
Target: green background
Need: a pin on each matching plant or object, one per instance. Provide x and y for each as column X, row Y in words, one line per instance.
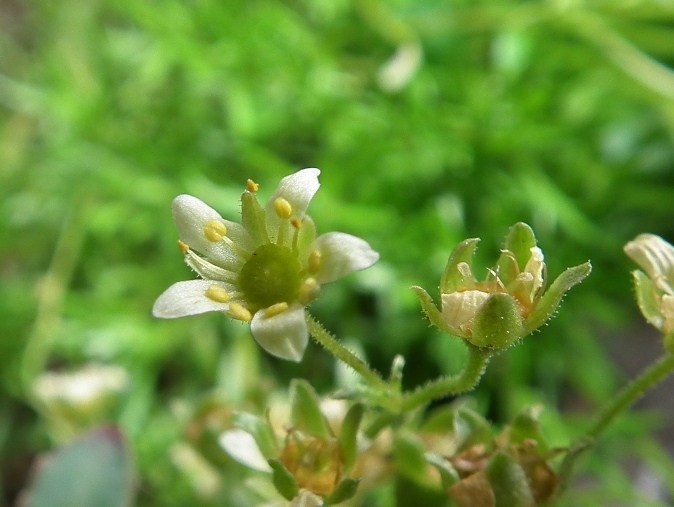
column 556, row 113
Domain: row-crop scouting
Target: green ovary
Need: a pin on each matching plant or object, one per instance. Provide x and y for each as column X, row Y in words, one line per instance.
column 271, row 275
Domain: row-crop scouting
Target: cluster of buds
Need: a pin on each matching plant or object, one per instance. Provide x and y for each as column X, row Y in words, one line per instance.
column 312, row 463
column 655, row 284
column 510, row 303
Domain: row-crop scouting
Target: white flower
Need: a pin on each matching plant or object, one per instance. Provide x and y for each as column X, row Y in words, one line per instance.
column 655, row 285
column 264, row 270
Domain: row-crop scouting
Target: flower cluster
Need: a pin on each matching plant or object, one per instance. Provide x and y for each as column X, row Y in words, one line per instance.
column 264, row 270
column 510, row 303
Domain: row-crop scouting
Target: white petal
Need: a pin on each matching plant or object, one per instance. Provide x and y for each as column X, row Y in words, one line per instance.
column 342, row 254
column 191, row 216
column 656, row 257
column 187, row 298
column 459, row 309
column 241, row 446
column 298, row 189
column 284, row 335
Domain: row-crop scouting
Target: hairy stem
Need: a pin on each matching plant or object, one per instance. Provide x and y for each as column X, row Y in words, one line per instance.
column 329, row 343
column 454, row 384
column 648, row 379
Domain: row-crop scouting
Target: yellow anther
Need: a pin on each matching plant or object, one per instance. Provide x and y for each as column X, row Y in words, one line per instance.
column 239, row 312
column 251, row 186
column 296, row 223
column 314, row 262
column 275, row 309
column 283, row 208
column 184, row 247
column 215, row 230
column 217, row 293
column 308, row 291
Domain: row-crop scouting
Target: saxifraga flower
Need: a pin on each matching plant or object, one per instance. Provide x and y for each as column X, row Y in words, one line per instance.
column 264, row 270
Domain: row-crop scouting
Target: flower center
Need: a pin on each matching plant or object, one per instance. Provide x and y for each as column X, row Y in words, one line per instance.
column 271, row 275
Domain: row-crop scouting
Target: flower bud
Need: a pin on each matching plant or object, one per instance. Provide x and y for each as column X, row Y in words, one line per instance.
column 655, row 284
column 511, row 302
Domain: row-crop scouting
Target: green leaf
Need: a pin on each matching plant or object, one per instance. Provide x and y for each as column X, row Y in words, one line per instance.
column 410, row 459
column 509, row 482
column 94, row 471
column 348, row 434
column 553, row 296
column 283, row 480
column 306, row 412
column 452, row 279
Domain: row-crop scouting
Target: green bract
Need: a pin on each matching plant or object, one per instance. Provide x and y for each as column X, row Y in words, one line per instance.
column 511, row 302
column 264, row 270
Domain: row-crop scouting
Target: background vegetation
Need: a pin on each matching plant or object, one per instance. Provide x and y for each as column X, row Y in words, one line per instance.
column 432, row 121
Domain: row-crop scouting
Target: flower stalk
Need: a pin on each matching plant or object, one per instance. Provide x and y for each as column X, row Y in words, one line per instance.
column 332, row 345
column 478, row 359
column 632, row 392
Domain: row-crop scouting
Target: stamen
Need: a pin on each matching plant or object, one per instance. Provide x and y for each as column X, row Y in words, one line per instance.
column 275, row 309
column 308, row 291
column 214, row 230
column 239, row 312
column 217, row 293
column 283, row 208
column 184, row 247
column 251, row 186
column 296, row 223
column 314, row 262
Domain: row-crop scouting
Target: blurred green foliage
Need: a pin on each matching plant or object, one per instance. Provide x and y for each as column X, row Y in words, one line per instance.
column 432, row 121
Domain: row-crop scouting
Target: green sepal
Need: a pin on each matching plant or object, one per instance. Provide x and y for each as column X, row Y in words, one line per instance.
column 498, row 323
column 520, row 240
column 549, row 302
column 305, row 410
column 344, row 490
column 410, row 459
column 448, row 474
column 646, row 299
column 283, row 480
column 430, row 310
column 452, row 279
column 261, row 431
column 348, row 434
column 509, row 482
column 254, row 218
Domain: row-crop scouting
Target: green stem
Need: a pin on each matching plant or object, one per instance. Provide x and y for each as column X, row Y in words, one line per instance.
column 648, row 379
column 329, row 343
column 455, row 384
